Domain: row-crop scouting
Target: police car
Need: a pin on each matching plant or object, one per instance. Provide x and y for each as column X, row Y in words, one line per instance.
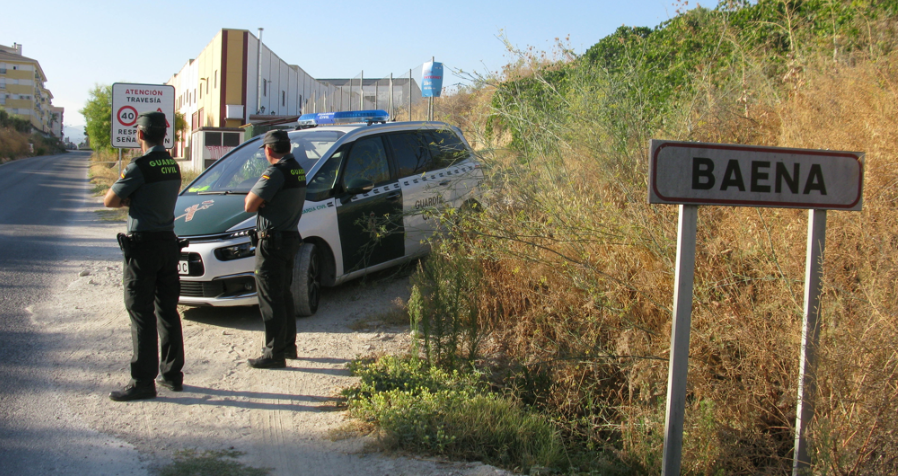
column 373, row 187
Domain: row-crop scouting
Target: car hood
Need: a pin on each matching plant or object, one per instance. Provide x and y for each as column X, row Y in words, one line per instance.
column 208, row 214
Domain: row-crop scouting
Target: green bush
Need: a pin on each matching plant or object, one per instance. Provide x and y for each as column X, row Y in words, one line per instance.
column 422, row 408
column 443, row 308
column 191, row 462
column 407, row 374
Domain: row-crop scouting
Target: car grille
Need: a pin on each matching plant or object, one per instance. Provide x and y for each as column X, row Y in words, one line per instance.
column 201, row 289
column 220, row 288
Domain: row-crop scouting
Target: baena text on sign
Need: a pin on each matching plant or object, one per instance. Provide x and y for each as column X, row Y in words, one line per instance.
column 763, row 177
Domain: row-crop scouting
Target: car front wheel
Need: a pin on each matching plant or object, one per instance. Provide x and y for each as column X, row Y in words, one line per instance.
column 306, row 280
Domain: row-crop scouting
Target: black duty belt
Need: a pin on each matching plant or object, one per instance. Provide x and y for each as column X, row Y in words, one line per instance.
column 147, row 236
column 263, row 234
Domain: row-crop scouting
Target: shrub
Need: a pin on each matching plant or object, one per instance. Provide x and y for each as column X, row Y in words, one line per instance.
column 443, row 310
column 421, row 408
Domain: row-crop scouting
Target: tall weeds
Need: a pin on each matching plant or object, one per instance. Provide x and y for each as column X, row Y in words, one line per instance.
column 577, row 269
column 443, row 310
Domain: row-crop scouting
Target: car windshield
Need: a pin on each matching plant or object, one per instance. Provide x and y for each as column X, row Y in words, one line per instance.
column 238, row 171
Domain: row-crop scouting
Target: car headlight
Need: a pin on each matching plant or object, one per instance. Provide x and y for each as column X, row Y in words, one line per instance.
column 228, row 253
column 239, row 233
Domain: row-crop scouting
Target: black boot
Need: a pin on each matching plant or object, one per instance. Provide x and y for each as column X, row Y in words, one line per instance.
column 171, row 385
column 133, row 391
column 267, row 363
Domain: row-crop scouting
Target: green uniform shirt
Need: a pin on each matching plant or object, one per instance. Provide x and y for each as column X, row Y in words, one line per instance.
column 283, row 187
column 152, row 182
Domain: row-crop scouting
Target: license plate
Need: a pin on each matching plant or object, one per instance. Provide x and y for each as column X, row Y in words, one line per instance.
column 183, row 267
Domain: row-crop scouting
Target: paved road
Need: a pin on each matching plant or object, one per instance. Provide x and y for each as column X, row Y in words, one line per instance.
column 42, row 200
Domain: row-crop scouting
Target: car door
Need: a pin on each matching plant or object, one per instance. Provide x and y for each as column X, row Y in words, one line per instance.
column 370, row 221
column 448, row 151
column 420, row 194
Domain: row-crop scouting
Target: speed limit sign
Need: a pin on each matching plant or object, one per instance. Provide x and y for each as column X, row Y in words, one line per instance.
column 127, row 116
column 129, row 100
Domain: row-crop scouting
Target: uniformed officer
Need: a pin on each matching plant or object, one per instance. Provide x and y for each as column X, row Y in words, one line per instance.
column 149, row 188
column 278, row 197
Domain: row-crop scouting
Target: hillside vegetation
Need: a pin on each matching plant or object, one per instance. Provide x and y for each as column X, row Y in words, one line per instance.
column 560, row 292
column 17, row 140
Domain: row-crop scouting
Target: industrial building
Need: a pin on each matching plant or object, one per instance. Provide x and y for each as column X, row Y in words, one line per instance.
column 236, row 80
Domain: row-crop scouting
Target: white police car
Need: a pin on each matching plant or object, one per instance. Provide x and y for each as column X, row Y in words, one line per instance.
column 372, row 186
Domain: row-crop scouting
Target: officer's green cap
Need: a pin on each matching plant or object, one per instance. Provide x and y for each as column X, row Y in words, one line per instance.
column 278, row 140
column 151, row 120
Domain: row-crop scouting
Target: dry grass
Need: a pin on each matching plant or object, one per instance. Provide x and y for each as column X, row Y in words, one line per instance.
column 856, row 108
column 579, row 276
column 104, row 170
column 13, row 145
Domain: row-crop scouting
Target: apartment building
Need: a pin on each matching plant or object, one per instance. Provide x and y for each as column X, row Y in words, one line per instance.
column 22, row 91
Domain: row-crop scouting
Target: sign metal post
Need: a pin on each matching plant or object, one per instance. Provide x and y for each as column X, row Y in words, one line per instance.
column 810, row 336
column 679, row 339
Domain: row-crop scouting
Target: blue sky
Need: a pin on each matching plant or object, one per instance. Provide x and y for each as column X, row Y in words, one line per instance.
column 102, row 42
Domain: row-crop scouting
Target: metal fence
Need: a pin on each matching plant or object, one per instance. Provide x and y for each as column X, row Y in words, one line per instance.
column 398, row 93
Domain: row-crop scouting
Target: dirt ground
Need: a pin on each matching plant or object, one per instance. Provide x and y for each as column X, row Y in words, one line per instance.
column 285, row 419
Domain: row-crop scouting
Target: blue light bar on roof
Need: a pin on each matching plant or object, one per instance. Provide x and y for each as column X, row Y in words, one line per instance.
column 307, row 120
column 343, row 117
column 371, row 115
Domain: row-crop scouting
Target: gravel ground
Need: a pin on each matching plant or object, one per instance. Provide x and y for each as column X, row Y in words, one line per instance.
column 280, row 419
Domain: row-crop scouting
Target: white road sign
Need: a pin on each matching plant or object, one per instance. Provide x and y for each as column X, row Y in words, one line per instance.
column 129, row 100
column 693, row 173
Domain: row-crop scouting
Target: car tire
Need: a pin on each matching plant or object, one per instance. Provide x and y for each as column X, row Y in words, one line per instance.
column 306, row 280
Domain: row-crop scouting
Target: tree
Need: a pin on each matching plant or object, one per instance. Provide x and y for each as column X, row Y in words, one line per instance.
column 180, row 126
column 97, row 113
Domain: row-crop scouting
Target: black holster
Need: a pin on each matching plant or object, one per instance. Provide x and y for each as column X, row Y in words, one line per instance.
column 254, row 238
column 183, row 243
column 124, row 242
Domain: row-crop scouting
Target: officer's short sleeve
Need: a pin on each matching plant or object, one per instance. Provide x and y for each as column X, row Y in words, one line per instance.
column 130, row 180
column 268, row 184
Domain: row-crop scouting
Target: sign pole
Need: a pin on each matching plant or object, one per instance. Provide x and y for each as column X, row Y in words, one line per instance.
column 679, row 340
column 430, row 103
column 810, row 337
column 120, row 162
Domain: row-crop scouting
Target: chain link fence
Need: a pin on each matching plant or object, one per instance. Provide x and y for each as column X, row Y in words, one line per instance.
column 398, row 93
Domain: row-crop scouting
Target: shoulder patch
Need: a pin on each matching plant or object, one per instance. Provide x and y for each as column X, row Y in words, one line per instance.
column 266, row 177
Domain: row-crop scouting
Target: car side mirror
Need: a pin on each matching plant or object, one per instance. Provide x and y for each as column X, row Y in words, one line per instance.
column 358, row 186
